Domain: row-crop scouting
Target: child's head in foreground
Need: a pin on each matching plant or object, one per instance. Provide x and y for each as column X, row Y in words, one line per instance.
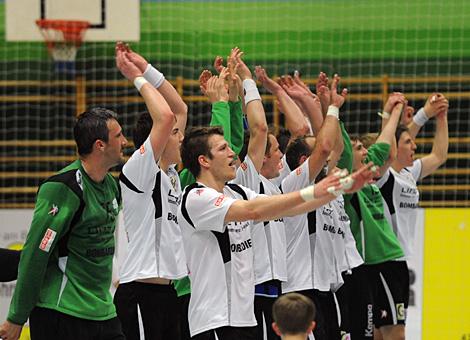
column 293, row 314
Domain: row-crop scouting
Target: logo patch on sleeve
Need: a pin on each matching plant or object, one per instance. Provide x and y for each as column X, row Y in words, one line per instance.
column 243, row 166
column 54, row 210
column 142, row 149
column 298, row 171
column 47, row 240
column 219, row 200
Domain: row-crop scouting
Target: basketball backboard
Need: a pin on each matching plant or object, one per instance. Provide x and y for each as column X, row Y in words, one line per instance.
column 110, row 20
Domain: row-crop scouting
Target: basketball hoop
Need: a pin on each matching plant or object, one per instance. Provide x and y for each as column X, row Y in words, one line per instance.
column 63, row 38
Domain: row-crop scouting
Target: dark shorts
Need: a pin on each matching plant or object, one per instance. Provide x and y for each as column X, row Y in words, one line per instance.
column 228, row 333
column 266, row 294
column 159, row 308
column 344, row 296
column 9, row 260
column 327, row 326
column 47, row 324
column 356, row 300
column 393, row 293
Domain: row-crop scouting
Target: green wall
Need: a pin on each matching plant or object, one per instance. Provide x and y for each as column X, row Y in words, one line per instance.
column 289, row 30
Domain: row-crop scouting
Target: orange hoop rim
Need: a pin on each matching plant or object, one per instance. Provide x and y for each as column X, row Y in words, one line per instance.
column 72, row 29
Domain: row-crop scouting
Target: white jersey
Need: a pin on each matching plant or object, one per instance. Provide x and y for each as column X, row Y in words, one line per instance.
column 150, row 200
column 351, row 258
column 220, row 259
column 284, row 171
column 401, row 197
column 300, row 240
column 269, row 237
column 329, row 250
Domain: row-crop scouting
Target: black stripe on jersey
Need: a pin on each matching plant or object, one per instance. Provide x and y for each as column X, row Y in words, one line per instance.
column 261, row 191
column 157, row 195
column 387, row 192
column 124, row 180
column 238, row 189
column 312, row 222
column 184, row 211
column 355, row 204
column 224, row 244
column 223, row 238
column 69, row 178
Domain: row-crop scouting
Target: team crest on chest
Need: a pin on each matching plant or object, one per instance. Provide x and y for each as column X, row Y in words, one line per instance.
column 173, row 181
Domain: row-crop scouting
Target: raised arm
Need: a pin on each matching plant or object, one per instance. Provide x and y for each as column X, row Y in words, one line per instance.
column 387, row 135
column 157, row 79
column 440, row 145
column 163, row 118
column 236, row 102
column 392, row 100
column 328, row 134
column 255, row 115
column 295, row 121
column 309, row 102
column 217, row 94
column 435, row 104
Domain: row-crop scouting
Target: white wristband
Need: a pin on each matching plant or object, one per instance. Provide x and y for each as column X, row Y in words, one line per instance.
column 251, row 91
column 333, row 111
column 384, row 114
column 346, row 182
column 139, row 82
column 307, row 193
column 420, row 118
column 154, row 76
column 334, row 192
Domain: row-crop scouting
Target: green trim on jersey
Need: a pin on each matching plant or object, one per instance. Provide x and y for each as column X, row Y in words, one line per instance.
column 375, row 239
column 66, row 262
column 230, row 117
column 236, row 126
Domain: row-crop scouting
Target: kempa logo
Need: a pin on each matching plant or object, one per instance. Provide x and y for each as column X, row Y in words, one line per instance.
column 369, row 331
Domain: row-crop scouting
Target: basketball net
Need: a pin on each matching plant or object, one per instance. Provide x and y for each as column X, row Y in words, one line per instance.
column 63, row 37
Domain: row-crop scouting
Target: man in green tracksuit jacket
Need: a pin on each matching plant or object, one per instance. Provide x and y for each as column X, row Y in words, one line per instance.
column 66, row 263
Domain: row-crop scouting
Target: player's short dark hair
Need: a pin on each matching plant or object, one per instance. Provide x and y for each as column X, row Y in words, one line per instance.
column 354, row 138
column 283, row 137
column 296, row 149
column 142, row 129
column 293, row 313
column 368, row 139
column 195, row 144
column 90, row 126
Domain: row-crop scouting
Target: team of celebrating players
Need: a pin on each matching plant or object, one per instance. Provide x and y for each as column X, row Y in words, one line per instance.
column 248, row 218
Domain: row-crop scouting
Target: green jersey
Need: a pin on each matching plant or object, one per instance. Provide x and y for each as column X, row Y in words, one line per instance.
column 375, row 239
column 66, row 262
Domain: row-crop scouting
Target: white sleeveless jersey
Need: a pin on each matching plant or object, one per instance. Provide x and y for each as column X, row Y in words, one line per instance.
column 220, row 258
column 150, row 200
column 401, row 197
